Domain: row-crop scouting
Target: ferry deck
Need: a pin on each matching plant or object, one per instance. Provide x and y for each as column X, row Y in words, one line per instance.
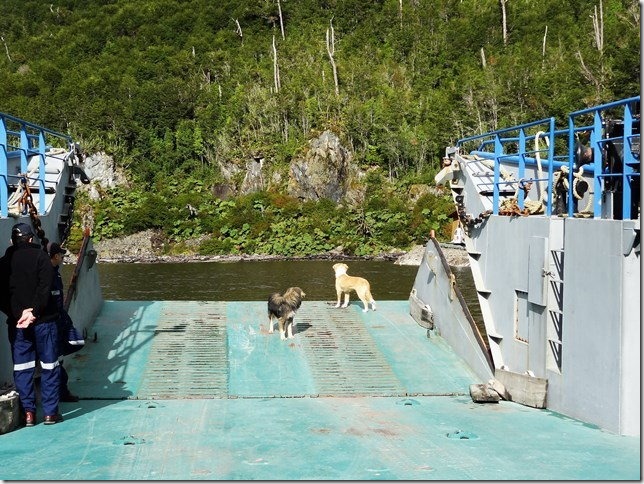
column 178, row 390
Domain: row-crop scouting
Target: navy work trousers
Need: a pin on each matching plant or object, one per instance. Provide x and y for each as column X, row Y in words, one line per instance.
column 40, row 341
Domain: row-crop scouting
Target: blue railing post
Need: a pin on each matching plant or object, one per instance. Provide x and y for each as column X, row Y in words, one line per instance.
column 42, row 148
column 522, row 153
column 4, row 189
column 24, row 147
column 627, row 162
column 498, row 151
column 595, row 142
column 551, row 157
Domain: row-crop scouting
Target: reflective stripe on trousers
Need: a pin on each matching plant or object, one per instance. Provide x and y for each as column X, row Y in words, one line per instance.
column 38, row 340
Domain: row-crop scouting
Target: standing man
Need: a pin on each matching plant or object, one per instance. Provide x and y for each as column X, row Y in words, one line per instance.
column 65, row 324
column 25, row 297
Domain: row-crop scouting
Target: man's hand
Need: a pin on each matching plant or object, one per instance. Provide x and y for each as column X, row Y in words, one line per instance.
column 26, row 319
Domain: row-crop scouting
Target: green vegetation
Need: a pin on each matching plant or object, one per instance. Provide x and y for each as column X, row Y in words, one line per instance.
column 267, row 222
column 171, row 89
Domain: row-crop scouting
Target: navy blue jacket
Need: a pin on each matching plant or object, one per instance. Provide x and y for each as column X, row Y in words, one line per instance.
column 25, row 282
column 57, row 292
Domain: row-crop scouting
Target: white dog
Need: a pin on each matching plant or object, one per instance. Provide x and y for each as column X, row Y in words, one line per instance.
column 345, row 284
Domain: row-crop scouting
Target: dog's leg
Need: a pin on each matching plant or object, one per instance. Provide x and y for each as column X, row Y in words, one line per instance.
column 289, row 328
column 270, row 323
column 281, row 323
column 365, row 303
column 346, row 300
column 369, row 299
column 337, row 305
column 366, row 298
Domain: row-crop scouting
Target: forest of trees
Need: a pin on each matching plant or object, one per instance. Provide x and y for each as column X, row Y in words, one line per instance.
column 171, row 88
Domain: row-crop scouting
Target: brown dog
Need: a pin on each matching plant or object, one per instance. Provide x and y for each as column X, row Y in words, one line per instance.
column 345, row 284
column 283, row 308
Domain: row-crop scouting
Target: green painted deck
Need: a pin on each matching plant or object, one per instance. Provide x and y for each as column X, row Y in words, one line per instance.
column 181, row 390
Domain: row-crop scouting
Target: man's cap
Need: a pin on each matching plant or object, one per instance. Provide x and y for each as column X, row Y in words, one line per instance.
column 22, row 230
column 53, row 248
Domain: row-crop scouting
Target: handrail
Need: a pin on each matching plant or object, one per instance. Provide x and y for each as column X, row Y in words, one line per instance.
column 509, row 146
column 459, row 295
column 597, row 141
column 24, row 140
column 71, row 289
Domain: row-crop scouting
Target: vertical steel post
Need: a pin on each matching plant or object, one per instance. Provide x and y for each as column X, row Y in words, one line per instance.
column 627, row 163
column 551, row 158
column 24, row 147
column 498, row 151
column 4, row 171
column 42, row 174
column 595, row 142
column 522, row 154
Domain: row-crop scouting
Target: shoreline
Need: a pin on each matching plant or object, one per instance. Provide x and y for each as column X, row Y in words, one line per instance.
column 152, row 259
column 455, row 255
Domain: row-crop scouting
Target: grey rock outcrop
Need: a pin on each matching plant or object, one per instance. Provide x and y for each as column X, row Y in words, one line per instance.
column 102, row 171
column 254, row 179
column 323, row 172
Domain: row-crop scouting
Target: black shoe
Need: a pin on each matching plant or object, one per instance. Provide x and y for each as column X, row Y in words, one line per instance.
column 68, row 397
column 53, row 419
column 30, row 418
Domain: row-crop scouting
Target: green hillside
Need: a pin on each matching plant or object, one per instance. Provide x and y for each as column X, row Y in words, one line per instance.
column 171, row 88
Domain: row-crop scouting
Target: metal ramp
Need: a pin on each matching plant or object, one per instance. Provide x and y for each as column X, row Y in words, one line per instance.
column 189, row 353
column 196, row 349
column 200, row 390
column 343, row 356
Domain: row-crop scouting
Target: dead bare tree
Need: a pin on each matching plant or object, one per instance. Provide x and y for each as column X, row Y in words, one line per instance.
column 276, row 68
column 543, row 48
column 330, row 48
column 596, row 79
column 598, row 28
column 205, row 74
column 6, row 47
column 588, row 74
column 400, row 11
column 504, row 21
column 279, row 8
column 238, row 30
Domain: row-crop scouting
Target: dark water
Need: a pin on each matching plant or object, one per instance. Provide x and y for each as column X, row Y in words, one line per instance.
column 254, row 281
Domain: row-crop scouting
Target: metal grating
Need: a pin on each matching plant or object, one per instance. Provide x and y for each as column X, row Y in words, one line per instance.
column 188, row 358
column 343, row 357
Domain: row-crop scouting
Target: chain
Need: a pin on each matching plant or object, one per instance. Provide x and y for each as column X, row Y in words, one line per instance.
column 27, row 201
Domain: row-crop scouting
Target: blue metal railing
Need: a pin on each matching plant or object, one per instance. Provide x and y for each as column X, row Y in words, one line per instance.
column 509, row 145
column 600, row 140
column 20, row 138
